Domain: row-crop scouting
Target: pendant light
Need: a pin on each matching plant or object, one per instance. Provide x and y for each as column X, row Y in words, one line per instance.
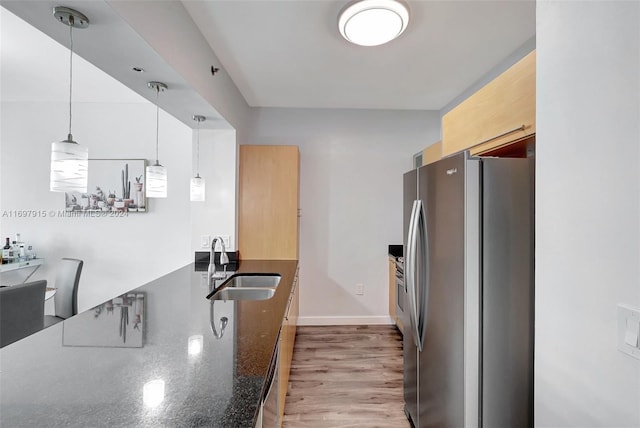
column 197, row 182
column 69, row 160
column 157, row 174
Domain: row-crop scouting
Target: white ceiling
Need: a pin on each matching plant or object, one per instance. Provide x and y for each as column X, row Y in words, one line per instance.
column 36, row 62
column 278, row 53
column 36, row 68
column 290, row 53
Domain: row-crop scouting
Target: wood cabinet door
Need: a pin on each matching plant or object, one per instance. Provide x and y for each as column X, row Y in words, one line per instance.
column 284, row 367
column 433, row 153
column 287, row 341
column 268, row 202
column 392, row 289
column 501, row 112
column 295, row 307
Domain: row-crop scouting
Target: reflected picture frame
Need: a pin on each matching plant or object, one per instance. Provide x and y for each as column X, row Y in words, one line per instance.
column 117, row 323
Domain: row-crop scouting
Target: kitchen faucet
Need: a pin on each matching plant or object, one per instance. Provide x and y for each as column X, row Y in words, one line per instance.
column 224, row 261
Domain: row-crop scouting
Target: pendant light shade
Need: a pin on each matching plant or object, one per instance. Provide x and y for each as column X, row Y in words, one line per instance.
column 69, row 167
column 157, row 174
column 197, row 182
column 69, row 160
column 197, row 189
column 156, row 181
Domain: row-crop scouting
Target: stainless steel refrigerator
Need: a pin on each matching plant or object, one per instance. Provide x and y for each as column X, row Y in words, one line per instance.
column 468, row 341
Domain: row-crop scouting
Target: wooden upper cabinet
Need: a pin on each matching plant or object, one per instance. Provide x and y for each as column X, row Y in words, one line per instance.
column 432, row 154
column 501, row 112
column 268, row 202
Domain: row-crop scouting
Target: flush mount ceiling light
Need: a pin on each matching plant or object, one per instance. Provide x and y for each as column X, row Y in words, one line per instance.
column 197, row 182
column 157, row 174
column 69, row 160
column 373, row 22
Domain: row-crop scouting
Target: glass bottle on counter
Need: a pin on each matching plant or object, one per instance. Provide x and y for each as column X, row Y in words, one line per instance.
column 22, row 252
column 19, row 254
column 14, row 252
column 6, row 250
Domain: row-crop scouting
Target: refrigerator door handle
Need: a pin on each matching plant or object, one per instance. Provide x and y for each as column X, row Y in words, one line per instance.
column 422, row 239
column 410, row 271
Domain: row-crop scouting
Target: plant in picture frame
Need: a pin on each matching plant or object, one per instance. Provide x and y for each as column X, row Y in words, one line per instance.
column 112, row 174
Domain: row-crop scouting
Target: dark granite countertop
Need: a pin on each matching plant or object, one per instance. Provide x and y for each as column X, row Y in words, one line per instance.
column 88, row 371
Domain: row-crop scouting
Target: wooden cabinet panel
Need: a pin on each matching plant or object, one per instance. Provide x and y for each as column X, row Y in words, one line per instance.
column 494, row 113
column 285, row 367
column 287, row 342
column 295, row 308
column 433, row 153
column 268, row 202
column 392, row 289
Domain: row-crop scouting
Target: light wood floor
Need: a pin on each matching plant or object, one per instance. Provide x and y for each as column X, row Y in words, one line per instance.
column 346, row 377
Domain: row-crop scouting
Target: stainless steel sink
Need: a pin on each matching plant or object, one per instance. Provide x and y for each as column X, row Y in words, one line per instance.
column 230, row 293
column 247, row 286
column 252, row 280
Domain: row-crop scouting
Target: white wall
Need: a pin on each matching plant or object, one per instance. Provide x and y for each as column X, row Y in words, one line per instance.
column 351, row 166
column 119, row 253
column 587, row 197
column 216, row 215
column 113, row 122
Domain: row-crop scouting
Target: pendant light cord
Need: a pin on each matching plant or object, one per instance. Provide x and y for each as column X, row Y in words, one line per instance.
column 70, row 138
column 198, row 152
column 157, row 123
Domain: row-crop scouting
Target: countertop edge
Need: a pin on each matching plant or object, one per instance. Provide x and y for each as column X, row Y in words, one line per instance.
column 282, row 294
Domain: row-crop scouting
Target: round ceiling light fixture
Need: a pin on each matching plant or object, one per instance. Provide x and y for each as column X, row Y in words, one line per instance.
column 373, row 22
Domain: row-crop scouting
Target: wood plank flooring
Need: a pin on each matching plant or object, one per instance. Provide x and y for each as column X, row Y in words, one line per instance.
column 346, row 377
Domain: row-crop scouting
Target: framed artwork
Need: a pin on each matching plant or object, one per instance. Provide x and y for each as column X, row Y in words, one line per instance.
column 113, row 185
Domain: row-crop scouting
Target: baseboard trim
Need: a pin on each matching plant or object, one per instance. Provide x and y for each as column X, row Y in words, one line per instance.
column 350, row 320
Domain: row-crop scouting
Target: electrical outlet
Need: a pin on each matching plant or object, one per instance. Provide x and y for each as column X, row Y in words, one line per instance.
column 629, row 331
column 204, row 241
column 359, row 289
column 227, row 242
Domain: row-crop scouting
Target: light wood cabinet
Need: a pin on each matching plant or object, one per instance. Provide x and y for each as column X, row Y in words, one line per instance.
column 392, row 290
column 501, row 112
column 432, row 154
column 268, row 202
column 287, row 342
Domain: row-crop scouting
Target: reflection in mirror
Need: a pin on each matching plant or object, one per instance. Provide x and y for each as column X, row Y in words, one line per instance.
column 117, row 323
column 223, row 322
